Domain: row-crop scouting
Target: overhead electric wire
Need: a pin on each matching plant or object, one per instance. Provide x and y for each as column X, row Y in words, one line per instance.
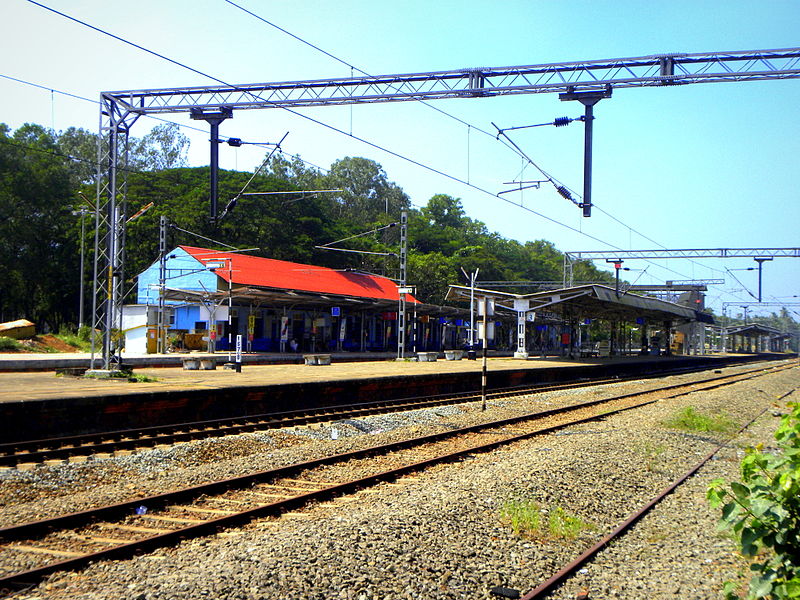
column 741, row 284
column 155, row 118
column 232, row 202
column 61, row 154
column 332, row 128
column 347, row 64
column 376, row 230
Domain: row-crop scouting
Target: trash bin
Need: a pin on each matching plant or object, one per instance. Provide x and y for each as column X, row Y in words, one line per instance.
column 471, row 355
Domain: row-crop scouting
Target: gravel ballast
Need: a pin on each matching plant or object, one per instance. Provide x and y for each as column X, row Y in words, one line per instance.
column 437, row 534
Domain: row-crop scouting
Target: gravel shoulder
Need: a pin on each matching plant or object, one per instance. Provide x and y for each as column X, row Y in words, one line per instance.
column 437, row 534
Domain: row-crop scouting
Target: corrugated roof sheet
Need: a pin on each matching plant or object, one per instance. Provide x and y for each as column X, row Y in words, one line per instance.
column 255, row 271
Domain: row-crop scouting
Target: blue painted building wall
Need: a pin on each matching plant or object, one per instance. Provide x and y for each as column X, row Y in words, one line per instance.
column 184, row 272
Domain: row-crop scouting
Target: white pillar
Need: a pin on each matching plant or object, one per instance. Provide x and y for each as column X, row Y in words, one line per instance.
column 521, row 306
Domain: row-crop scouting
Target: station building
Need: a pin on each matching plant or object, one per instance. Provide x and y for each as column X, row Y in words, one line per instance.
column 279, row 306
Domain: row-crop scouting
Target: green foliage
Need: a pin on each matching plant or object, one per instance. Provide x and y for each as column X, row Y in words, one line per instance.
column 689, row 419
column 80, row 338
column 763, row 512
column 45, row 176
column 526, row 518
column 561, row 524
column 7, row 343
column 653, row 454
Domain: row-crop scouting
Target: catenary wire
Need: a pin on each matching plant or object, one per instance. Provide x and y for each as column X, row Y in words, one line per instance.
column 155, row 118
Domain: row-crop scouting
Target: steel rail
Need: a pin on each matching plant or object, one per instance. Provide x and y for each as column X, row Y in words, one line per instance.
column 563, row 573
column 27, row 530
column 64, row 447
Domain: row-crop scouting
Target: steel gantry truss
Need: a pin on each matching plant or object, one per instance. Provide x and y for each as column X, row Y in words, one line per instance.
column 583, row 76
column 121, row 109
column 756, row 253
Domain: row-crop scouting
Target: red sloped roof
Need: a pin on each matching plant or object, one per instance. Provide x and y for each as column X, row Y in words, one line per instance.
column 255, row 271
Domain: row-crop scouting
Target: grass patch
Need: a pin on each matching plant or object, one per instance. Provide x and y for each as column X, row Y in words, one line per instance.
column 528, row 518
column 137, row 378
column 80, row 338
column 7, row 343
column 688, row 419
column 653, row 454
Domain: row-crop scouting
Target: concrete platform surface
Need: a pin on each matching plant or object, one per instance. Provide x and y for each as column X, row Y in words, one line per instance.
column 16, row 386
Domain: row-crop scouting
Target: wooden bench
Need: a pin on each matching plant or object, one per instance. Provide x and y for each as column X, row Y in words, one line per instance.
column 454, row 354
column 317, row 359
column 427, row 356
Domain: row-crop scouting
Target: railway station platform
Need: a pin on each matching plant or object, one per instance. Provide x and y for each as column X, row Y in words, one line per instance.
column 39, row 404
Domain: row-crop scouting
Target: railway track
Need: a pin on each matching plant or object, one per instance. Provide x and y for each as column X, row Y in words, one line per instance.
column 31, row 551
column 64, row 448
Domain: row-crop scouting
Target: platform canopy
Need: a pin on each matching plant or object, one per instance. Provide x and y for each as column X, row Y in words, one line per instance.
column 587, row 301
column 246, row 279
column 755, row 330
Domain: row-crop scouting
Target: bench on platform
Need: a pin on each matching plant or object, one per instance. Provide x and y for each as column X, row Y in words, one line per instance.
column 454, row 354
column 194, row 363
column 427, row 356
column 317, row 359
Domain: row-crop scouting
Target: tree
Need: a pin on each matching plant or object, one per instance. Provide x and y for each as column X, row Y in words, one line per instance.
column 366, row 191
column 38, row 257
column 80, row 146
column 165, row 147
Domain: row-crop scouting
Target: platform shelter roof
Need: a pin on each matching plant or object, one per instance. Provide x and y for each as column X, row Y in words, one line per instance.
column 588, row 301
column 258, row 273
column 279, row 283
column 753, row 329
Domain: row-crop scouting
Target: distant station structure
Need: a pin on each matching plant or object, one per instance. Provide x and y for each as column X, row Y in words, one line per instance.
column 568, row 314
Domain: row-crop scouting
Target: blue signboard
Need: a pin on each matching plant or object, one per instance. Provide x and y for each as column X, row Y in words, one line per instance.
column 335, row 311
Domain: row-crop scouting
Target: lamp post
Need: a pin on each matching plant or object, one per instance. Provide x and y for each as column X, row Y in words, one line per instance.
column 82, row 211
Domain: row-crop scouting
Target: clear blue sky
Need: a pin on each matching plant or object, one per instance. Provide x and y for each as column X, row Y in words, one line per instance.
column 699, row 166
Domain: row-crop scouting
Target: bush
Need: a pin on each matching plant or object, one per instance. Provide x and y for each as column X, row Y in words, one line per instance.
column 763, row 512
column 7, row 343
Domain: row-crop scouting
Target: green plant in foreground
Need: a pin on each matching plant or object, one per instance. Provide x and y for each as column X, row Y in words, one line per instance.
column 653, row 453
column 763, row 512
column 563, row 525
column 522, row 515
column 689, row 419
column 7, row 343
column 526, row 518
